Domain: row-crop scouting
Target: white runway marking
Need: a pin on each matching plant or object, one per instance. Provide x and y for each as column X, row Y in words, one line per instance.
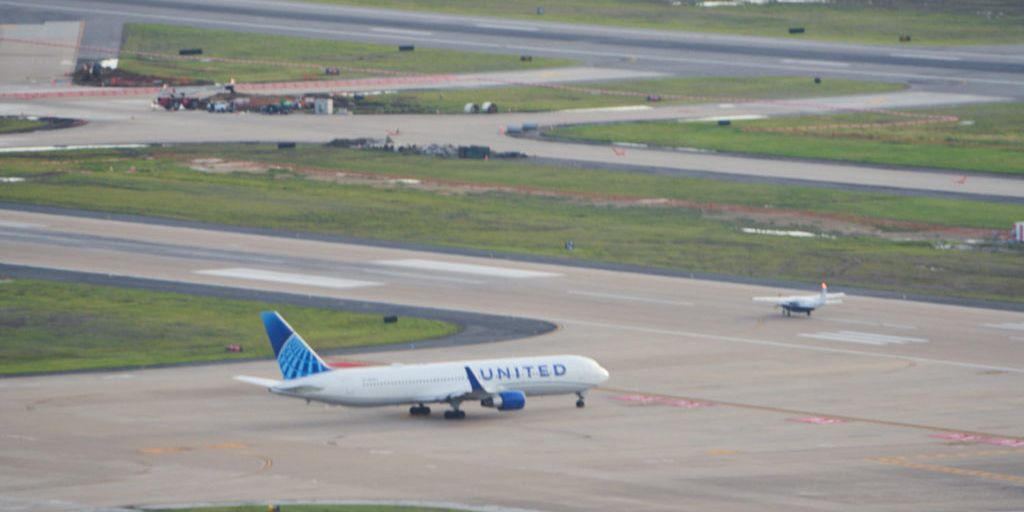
column 465, row 268
column 866, row 338
column 20, row 225
column 410, row 275
column 928, row 56
column 826, row 63
column 629, row 298
column 907, row 327
column 403, row 32
column 750, row 117
column 779, row 344
column 253, row 274
column 1019, row 326
column 496, row 26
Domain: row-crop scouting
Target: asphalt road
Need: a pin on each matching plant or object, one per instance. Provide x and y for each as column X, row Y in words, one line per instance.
column 715, row 402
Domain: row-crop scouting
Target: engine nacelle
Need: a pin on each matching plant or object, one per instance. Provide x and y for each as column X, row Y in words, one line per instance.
column 506, row 401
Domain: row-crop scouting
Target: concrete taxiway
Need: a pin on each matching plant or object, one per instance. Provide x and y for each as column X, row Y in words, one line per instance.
column 715, row 402
column 121, row 121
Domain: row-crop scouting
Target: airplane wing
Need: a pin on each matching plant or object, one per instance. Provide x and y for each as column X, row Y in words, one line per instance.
column 779, row 300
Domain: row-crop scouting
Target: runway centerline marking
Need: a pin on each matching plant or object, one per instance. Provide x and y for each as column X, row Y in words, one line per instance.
column 866, row 338
column 465, row 268
column 253, row 274
column 779, row 344
column 629, row 298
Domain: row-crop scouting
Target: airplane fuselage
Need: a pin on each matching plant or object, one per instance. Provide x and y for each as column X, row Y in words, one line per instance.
column 442, row 382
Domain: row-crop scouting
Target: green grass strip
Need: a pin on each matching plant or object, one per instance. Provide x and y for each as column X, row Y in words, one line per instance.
column 861, row 21
column 987, row 138
column 48, row 326
column 582, row 95
column 17, row 124
column 152, row 50
column 690, row 239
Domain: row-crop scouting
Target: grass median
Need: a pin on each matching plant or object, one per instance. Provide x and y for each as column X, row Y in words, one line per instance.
column 685, row 224
column 863, row 21
column 152, row 50
column 527, row 98
column 49, row 326
column 19, row 125
column 978, row 138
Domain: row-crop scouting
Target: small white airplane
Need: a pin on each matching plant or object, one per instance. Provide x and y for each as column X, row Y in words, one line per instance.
column 804, row 303
column 502, row 384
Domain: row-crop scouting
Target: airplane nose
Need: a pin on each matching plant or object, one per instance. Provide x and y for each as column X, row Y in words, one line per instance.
column 602, row 374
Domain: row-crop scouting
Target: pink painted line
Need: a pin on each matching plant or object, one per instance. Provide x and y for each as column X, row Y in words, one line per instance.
column 818, row 420
column 681, row 403
column 974, row 438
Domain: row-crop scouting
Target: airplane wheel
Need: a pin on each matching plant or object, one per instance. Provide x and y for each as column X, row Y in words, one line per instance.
column 454, row 415
column 580, row 403
column 419, row 410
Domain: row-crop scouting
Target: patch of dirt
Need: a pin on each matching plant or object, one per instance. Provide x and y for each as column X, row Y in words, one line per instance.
column 219, row 166
column 820, row 222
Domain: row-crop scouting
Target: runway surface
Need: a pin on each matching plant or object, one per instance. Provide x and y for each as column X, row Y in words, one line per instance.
column 992, row 70
column 715, row 402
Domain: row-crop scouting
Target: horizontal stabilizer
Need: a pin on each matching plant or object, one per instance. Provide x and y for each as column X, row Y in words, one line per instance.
column 259, row 381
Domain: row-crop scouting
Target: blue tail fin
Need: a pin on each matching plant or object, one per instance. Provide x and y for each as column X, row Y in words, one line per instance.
column 294, row 356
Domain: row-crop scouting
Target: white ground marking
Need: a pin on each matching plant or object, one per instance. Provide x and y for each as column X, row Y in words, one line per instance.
column 628, row 298
column 411, row 275
column 751, row 117
column 779, row 344
column 497, row 26
column 625, row 108
column 253, row 274
column 20, row 225
column 808, row 62
column 907, row 327
column 37, row 149
column 1019, row 326
column 401, row 31
column 866, row 338
column 928, row 56
column 465, row 268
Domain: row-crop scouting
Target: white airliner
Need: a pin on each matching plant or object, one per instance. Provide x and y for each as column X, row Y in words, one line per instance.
column 502, row 384
column 804, row 303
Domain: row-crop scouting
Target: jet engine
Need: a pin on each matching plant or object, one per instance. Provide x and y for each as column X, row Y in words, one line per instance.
column 506, row 401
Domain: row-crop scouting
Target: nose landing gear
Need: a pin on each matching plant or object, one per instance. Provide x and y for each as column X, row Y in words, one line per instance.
column 419, row 410
column 580, row 403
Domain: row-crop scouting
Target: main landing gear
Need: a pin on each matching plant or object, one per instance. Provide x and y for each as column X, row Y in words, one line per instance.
column 455, row 413
column 580, row 403
column 419, row 410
